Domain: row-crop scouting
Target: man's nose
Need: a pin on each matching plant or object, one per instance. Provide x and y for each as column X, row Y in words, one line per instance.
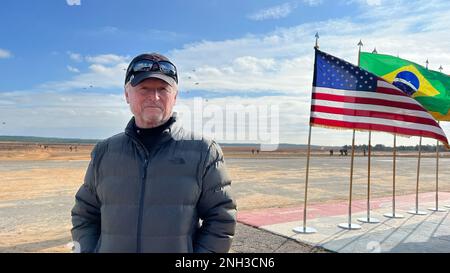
column 154, row 94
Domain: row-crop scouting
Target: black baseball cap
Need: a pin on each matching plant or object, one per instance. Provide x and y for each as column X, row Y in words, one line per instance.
column 151, row 65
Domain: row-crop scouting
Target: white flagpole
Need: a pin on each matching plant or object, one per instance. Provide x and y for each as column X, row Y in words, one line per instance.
column 393, row 214
column 437, row 158
column 437, row 208
column 369, row 219
column 304, row 229
column 416, row 211
column 350, row 225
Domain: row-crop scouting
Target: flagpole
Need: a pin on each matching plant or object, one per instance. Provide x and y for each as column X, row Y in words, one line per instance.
column 437, row 208
column 393, row 214
column 437, row 155
column 349, row 225
column 304, row 229
column 368, row 219
column 417, row 211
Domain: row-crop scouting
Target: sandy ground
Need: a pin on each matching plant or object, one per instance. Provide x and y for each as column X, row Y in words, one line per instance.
column 38, row 183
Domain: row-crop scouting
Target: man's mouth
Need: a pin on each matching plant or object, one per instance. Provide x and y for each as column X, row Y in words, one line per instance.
column 153, row 106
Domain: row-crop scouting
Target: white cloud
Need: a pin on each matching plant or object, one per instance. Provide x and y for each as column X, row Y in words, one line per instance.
column 275, row 12
column 98, row 76
column 162, row 35
column 105, row 71
column 106, row 59
column 110, row 29
column 373, row 2
column 75, row 56
column 312, row 2
column 281, row 11
column 73, row 2
column 370, row 3
column 73, row 69
column 5, row 54
column 48, row 113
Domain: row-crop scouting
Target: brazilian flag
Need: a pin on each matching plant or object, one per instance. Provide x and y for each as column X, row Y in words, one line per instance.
column 430, row 88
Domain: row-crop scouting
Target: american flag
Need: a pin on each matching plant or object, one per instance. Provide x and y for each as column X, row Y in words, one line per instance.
column 346, row 96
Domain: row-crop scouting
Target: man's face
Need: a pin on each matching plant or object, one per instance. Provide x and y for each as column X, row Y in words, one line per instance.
column 151, row 102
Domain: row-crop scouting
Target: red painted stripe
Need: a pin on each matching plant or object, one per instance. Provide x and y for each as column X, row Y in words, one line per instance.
column 271, row 216
column 376, row 127
column 373, row 114
column 381, row 102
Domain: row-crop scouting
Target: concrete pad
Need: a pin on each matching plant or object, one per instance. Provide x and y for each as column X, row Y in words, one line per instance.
column 413, row 233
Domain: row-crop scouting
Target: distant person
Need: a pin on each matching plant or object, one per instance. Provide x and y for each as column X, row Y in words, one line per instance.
column 147, row 189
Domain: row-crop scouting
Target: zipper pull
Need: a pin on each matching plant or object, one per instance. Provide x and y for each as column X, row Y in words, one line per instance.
column 145, row 168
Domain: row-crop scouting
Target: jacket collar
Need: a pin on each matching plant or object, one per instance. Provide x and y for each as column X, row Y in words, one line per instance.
column 169, row 133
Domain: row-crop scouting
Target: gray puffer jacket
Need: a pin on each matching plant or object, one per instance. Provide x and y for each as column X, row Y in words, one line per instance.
column 134, row 200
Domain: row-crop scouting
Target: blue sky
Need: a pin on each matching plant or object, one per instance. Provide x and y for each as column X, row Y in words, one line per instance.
column 126, row 28
column 62, row 61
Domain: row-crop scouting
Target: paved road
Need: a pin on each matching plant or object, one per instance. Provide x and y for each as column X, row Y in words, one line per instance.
column 252, row 240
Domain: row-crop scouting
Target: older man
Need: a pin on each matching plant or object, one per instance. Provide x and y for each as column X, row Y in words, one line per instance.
column 155, row 187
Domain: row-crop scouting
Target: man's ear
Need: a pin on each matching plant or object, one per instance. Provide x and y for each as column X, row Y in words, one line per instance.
column 126, row 95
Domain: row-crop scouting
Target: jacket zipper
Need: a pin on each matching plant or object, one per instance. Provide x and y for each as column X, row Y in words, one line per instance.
column 142, row 195
column 141, row 205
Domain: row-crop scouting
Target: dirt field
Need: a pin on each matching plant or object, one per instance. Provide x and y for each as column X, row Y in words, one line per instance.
column 38, row 183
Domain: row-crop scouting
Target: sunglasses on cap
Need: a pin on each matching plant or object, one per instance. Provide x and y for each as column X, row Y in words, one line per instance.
column 165, row 67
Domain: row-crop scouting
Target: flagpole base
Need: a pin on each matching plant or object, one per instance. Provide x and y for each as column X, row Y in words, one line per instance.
column 394, row 215
column 369, row 220
column 349, row 226
column 417, row 212
column 437, row 209
column 304, row 230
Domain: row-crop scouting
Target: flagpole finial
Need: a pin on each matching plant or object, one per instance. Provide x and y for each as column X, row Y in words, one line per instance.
column 360, row 44
column 374, row 50
column 426, row 62
column 317, row 40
